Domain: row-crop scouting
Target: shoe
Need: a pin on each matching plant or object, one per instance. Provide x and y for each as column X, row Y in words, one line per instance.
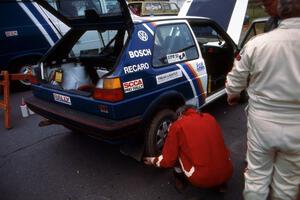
column 179, row 185
column 180, row 182
column 221, row 188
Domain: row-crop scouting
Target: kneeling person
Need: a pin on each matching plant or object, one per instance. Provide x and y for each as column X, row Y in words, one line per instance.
column 196, row 142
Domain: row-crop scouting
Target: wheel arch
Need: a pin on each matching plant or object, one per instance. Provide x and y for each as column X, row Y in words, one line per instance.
column 20, row 64
column 25, row 59
column 171, row 99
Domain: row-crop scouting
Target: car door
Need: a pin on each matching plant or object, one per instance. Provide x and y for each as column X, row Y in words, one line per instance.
column 218, row 51
column 85, row 15
column 228, row 14
column 257, row 27
column 177, row 61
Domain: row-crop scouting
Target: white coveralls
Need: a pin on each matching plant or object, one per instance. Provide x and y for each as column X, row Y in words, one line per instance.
column 272, row 63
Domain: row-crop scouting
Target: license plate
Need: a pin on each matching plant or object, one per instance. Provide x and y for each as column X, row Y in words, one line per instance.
column 62, row 98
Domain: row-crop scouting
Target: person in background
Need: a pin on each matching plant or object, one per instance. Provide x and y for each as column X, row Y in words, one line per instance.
column 195, row 142
column 270, row 7
column 269, row 67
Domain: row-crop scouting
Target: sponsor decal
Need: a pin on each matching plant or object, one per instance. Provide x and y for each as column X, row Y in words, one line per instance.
column 143, row 36
column 133, row 85
column 176, row 57
column 199, row 66
column 139, row 53
column 62, row 98
column 11, row 33
column 162, row 78
column 136, row 68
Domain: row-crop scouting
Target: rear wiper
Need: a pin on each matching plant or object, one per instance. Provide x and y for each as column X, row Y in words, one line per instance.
column 186, row 48
column 162, row 59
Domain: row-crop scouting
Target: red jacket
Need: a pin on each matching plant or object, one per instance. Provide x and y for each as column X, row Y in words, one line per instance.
column 196, row 141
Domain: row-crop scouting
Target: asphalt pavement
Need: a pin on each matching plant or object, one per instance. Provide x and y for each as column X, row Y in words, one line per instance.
column 53, row 163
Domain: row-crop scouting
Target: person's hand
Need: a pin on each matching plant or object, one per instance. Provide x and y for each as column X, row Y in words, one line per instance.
column 233, row 99
column 148, row 160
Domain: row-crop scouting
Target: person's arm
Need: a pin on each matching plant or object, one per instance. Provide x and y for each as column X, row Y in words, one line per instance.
column 237, row 78
column 169, row 155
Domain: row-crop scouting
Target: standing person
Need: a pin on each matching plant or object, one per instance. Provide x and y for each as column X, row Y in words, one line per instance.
column 195, row 140
column 270, row 7
column 269, row 67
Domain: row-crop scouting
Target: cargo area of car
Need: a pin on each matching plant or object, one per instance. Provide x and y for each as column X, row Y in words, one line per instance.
column 78, row 68
column 73, row 76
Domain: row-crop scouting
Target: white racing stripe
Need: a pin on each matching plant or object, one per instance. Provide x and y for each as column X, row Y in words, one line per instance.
column 37, row 23
column 46, row 17
column 191, row 83
column 237, row 19
column 148, row 28
column 185, row 8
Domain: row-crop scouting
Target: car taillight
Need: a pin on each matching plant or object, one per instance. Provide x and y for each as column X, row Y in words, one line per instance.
column 109, row 90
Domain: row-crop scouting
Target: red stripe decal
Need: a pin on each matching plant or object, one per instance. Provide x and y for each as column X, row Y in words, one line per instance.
column 153, row 24
column 200, row 86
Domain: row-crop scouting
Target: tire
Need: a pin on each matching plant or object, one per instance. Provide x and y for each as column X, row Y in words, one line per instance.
column 156, row 131
column 23, row 68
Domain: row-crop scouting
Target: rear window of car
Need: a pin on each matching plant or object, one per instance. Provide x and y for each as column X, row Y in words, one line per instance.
column 173, row 44
column 77, row 8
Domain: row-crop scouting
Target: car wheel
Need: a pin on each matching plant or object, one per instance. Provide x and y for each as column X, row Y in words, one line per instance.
column 22, row 68
column 26, row 69
column 157, row 130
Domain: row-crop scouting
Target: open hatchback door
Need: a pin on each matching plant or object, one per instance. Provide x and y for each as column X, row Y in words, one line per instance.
column 98, row 28
column 105, row 14
column 229, row 14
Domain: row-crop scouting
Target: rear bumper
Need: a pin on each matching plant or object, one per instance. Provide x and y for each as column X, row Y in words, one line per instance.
column 86, row 123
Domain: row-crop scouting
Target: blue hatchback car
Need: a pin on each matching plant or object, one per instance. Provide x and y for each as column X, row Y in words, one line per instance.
column 142, row 70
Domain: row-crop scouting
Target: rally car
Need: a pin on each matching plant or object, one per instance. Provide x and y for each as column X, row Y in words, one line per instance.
column 142, row 70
